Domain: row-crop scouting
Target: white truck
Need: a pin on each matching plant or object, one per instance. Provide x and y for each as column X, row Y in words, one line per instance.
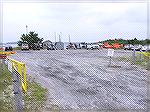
column 25, row 46
column 145, row 48
column 92, row 46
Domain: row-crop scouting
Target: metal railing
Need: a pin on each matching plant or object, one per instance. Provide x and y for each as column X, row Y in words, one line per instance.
column 18, row 71
column 21, row 69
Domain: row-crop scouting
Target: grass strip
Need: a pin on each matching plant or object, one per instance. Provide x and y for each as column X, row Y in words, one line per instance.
column 6, row 93
column 35, row 97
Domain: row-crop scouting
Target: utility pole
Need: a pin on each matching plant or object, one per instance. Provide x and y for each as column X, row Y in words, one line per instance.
column 148, row 33
column 148, row 59
column 69, row 38
column 60, row 36
column 55, row 36
column 1, row 22
column 1, row 35
column 26, row 29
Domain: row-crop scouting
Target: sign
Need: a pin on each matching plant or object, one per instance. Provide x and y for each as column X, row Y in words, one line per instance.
column 110, row 52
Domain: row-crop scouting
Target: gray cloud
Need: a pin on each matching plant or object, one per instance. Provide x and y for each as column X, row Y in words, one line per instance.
column 83, row 21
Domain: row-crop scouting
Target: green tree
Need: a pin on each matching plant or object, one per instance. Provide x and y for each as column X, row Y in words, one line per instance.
column 30, row 39
column 147, row 41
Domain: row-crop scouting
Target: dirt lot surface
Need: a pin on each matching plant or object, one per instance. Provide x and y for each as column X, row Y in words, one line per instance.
column 81, row 79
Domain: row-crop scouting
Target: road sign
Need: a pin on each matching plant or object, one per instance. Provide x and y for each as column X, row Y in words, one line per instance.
column 110, row 52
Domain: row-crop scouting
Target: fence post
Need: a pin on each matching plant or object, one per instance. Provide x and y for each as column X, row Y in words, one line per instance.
column 6, row 63
column 17, row 90
column 1, row 68
column 110, row 61
column 133, row 56
column 148, row 63
column 140, row 55
column 3, row 64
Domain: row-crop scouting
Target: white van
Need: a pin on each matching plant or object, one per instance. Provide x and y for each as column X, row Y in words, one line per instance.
column 25, row 46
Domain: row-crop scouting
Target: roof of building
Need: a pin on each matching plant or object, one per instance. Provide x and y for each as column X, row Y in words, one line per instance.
column 47, row 41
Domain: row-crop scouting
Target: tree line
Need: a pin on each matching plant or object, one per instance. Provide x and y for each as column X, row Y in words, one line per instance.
column 31, row 38
column 134, row 41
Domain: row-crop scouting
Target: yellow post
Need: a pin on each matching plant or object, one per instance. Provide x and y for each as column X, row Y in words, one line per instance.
column 21, row 69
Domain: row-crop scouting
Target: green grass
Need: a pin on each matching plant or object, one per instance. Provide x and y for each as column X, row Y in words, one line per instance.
column 17, row 48
column 6, row 94
column 34, row 99
column 124, row 59
column 142, row 61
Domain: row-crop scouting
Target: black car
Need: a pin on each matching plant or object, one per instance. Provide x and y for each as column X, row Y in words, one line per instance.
column 8, row 48
column 51, row 47
column 36, row 46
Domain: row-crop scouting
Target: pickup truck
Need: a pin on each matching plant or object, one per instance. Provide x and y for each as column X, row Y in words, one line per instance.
column 25, row 47
column 145, row 48
column 71, row 46
column 8, row 48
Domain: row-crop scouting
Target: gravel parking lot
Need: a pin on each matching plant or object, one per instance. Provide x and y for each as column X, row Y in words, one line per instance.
column 81, row 79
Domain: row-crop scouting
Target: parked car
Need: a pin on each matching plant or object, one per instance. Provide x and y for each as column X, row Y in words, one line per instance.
column 2, row 48
column 128, row 47
column 88, row 46
column 148, row 48
column 144, row 48
column 8, row 48
column 83, row 45
column 92, row 46
column 51, row 47
column 77, row 45
column 71, row 46
column 137, row 47
column 41, row 46
column 25, row 46
column 36, row 46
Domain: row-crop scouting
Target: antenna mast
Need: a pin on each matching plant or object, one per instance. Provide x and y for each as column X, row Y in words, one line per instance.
column 69, row 38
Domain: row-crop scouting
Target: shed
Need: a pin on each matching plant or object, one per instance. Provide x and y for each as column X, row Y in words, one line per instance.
column 59, row 46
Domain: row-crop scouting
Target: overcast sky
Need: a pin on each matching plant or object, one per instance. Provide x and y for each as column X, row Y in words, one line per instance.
column 89, row 22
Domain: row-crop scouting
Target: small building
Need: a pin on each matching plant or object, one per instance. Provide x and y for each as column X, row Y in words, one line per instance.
column 59, row 46
column 46, row 44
